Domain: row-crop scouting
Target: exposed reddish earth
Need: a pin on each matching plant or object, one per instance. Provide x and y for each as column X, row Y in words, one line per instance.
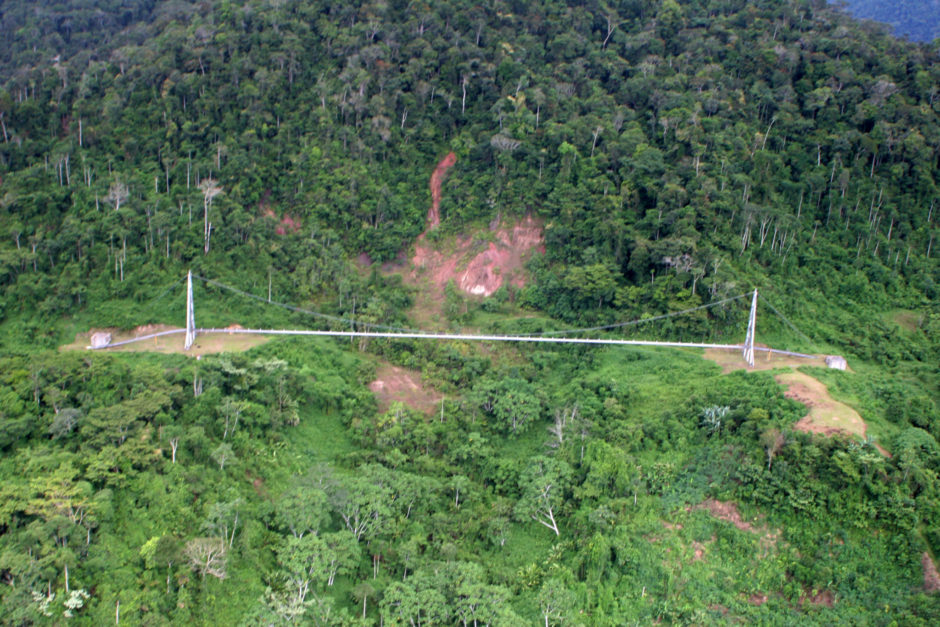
column 824, row 598
column 726, row 511
column 931, row 576
column 475, row 271
column 826, row 416
column 482, row 272
column 398, row 384
column 757, row 599
column 285, row 224
column 437, row 177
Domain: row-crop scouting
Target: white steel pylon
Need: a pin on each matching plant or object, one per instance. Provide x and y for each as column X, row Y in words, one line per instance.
column 751, row 328
column 190, row 313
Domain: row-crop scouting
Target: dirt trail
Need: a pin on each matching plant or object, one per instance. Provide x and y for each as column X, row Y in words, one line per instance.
column 437, row 177
column 826, row 415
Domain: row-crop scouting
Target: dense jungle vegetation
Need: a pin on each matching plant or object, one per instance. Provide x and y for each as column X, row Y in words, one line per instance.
column 677, row 154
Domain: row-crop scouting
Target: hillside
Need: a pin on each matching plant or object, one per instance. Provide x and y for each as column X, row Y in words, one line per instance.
column 511, row 167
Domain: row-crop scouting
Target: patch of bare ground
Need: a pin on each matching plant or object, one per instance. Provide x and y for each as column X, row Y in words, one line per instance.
column 931, row 576
column 826, row 416
column 822, row 598
column 726, row 511
column 731, row 360
column 208, row 344
column 258, row 484
column 757, row 599
column 477, row 266
column 481, row 268
column 393, row 383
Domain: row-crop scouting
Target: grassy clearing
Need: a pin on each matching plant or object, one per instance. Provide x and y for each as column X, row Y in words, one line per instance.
column 167, row 344
column 906, row 319
column 731, row 360
column 320, row 437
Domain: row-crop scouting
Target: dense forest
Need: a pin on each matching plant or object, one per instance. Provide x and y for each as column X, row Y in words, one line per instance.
column 674, row 153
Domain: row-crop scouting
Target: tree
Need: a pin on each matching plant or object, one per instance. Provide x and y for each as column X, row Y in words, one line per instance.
column 543, row 484
column 499, row 530
column 207, row 556
column 222, row 520
column 772, row 441
column 596, row 284
column 231, row 410
column 210, row 189
column 419, row 601
column 172, row 434
column 341, row 554
column 711, row 419
column 303, row 509
column 476, row 602
column 363, row 591
column 555, row 602
column 160, row 550
column 223, row 454
column 117, row 194
column 300, row 560
column 363, row 505
column 566, row 419
column 459, row 483
column 64, row 422
column 514, row 403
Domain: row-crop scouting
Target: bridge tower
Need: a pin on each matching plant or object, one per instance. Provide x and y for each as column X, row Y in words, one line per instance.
column 190, row 313
column 751, row 329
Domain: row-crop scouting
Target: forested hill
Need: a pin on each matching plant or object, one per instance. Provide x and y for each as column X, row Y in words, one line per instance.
column 675, row 153
column 726, row 141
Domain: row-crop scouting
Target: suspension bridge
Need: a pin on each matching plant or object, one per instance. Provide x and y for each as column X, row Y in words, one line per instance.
column 747, row 348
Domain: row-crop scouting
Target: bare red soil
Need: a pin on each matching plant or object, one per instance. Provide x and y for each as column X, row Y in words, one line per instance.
column 824, row 598
column 931, row 576
column 437, row 177
column 286, row 224
column 500, row 263
column 727, row 511
column 397, row 384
